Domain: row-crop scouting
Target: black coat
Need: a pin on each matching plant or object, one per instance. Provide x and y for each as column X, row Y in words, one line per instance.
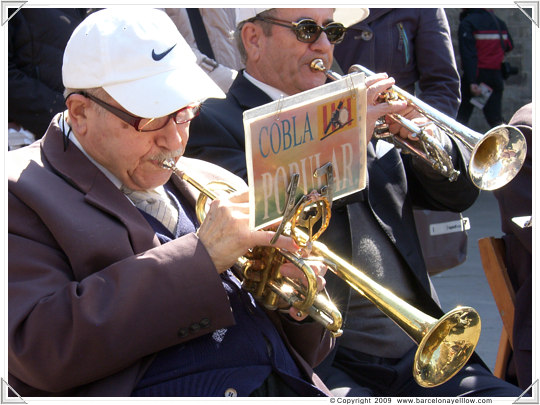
column 37, row 38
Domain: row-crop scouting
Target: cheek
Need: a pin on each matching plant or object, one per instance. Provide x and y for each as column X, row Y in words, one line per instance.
column 291, row 67
column 127, row 151
column 184, row 133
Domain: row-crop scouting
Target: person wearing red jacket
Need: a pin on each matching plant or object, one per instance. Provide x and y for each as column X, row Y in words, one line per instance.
column 483, row 41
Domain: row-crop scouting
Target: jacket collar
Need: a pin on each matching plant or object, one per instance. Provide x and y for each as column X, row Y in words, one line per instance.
column 246, row 93
column 99, row 191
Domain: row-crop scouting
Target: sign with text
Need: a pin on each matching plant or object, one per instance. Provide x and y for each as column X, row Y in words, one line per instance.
column 299, row 134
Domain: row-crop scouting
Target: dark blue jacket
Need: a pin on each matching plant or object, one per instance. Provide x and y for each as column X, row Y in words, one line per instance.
column 394, row 185
column 413, row 45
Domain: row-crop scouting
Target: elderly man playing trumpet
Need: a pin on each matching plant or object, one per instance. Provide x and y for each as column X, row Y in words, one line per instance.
column 115, row 288
column 373, row 229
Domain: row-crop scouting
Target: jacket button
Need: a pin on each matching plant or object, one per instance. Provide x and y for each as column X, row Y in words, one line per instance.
column 205, row 323
column 194, row 327
column 230, row 392
column 367, row 35
column 183, row 332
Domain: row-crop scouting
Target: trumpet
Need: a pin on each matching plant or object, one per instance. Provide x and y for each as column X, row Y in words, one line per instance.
column 268, row 287
column 444, row 345
column 496, row 156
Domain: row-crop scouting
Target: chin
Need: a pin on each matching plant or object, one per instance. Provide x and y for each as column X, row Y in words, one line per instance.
column 154, row 181
column 162, row 179
column 315, row 82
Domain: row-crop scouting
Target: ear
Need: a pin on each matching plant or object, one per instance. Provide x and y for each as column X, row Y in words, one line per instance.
column 253, row 40
column 78, row 109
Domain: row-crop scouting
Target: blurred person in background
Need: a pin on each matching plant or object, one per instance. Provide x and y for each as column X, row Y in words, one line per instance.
column 483, row 42
column 414, row 46
column 209, row 33
column 36, row 41
column 515, row 205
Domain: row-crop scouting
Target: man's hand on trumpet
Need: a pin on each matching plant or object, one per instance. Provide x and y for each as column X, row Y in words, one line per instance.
column 377, row 106
column 226, row 235
column 380, row 104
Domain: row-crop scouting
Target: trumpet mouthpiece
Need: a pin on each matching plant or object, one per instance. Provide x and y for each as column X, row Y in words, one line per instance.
column 168, row 164
column 317, row 64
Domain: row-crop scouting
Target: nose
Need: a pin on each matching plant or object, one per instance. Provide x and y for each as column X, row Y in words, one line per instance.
column 323, row 45
column 173, row 136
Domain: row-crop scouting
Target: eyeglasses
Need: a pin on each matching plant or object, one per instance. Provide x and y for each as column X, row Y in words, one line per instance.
column 181, row 116
column 307, row 30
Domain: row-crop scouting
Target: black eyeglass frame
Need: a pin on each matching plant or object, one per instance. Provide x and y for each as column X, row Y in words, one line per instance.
column 295, row 26
column 133, row 120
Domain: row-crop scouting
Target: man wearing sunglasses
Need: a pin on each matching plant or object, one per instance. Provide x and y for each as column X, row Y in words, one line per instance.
column 115, row 289
column 373, row 229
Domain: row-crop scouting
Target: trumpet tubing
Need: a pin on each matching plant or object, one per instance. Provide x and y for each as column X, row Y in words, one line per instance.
column 496, row 156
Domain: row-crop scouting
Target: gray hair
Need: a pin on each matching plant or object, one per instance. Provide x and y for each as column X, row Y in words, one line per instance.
column 267, row 30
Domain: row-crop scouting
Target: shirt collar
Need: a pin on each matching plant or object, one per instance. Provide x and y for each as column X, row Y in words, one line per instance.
column 273, row 93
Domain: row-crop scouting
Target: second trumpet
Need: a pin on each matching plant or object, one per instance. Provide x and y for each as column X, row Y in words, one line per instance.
column 496, row 156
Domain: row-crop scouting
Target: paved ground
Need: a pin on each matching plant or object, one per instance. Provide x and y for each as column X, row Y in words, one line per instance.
column 467, row 285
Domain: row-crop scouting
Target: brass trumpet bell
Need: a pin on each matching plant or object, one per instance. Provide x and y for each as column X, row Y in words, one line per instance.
column 444, row 345
column 496, row 157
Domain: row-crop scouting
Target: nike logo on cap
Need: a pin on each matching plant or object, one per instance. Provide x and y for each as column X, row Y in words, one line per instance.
column 159, row 56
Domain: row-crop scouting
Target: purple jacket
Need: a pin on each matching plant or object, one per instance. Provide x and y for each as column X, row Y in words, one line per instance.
column 93, row 295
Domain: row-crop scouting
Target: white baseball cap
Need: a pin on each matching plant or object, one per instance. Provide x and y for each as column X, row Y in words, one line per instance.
column 346, row 16
column 246, row 13
column 138, row 56
column 350, row 16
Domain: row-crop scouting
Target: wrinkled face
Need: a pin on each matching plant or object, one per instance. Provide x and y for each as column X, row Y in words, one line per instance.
column 133, row 157
column 283, row 61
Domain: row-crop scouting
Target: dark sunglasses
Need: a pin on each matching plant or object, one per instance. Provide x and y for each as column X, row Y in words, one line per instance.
column 307, row 30
column 181, row 116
